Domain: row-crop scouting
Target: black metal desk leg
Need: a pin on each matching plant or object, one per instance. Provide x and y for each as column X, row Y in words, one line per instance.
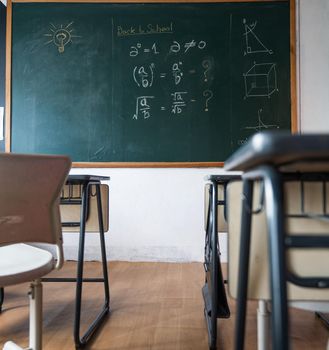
column 103, row 248
column 275, row 223
column 84, row 208
column 80, row 342
column 214, row 268
column 243, row 269
column 2, row 296
column 324, row 318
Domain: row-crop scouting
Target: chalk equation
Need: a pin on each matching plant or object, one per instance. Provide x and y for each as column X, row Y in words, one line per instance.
column 144, row 76
column 174, row 48
column 166, row 67
column 179, row 101
column 138, row 48
column 177, row 72
column 143, row 107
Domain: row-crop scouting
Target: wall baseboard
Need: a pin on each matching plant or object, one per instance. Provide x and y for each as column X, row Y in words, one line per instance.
column 137, row 253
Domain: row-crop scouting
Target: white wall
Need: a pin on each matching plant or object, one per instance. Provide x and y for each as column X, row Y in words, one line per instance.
column 314, row 65
column 157, row 214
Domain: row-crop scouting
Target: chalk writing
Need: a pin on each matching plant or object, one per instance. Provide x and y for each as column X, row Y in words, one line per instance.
column 137, row 49
column 206, row 64
column 242, row 142
column 201, row 45
column 142, row 107
column 260, row 124
column 145, row 30
column 253, row 43
column 154, row 49
column 134, row 50
column 177, row 72
column 144, row 77
column 208, row 94
column 260, row 80
column 176, row 46
column 178, row 102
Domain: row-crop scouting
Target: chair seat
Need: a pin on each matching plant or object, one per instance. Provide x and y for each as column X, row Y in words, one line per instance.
column 22, row 263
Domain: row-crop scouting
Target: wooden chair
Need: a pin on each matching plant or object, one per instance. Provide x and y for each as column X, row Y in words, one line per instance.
column 30, row 187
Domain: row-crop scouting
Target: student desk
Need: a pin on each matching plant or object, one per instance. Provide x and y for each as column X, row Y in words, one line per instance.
column 86, row 182
column 274, row 158
column 213, row 291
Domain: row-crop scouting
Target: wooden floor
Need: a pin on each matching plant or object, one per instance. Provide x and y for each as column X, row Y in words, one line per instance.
column 153, row 306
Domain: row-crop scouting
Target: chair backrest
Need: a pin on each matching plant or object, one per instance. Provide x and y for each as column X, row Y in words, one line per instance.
column 30, row 186
column 303, row 262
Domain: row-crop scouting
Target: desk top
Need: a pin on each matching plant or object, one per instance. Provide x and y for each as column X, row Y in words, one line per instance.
column 279, row 148
column 222, row 178
column 81, row 179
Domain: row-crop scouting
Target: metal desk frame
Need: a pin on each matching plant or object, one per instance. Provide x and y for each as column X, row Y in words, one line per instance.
column 86, row 181
column 213, row 291
column 263, row 159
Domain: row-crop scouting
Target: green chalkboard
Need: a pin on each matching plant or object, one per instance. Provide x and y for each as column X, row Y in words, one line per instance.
column 148, row 82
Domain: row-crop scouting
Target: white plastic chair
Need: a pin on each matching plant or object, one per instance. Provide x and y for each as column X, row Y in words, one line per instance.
column 30, row 187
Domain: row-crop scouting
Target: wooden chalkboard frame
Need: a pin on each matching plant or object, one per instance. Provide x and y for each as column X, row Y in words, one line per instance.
column 293, row 93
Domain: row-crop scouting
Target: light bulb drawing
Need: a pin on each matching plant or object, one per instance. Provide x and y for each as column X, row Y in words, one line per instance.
column 60, row 36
